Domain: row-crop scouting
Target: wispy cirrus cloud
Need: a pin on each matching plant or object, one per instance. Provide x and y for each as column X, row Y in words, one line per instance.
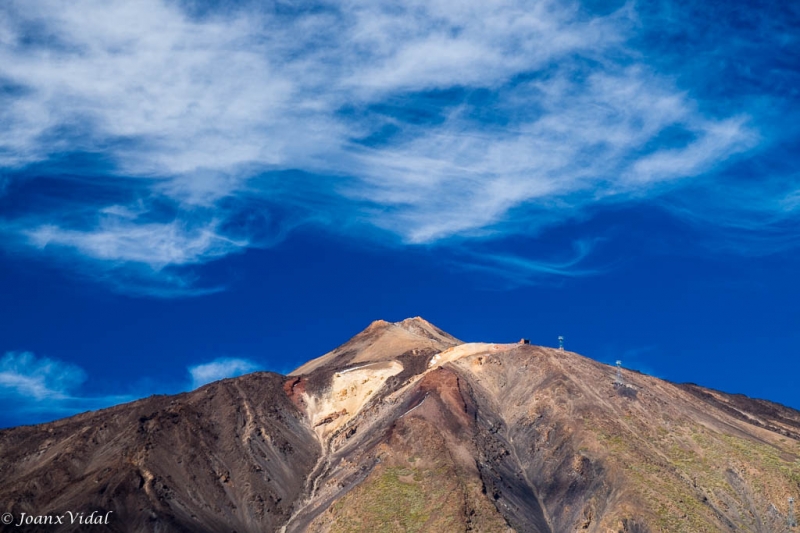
column 40, row 388
column 153, row 244
column 221, row 368
column 516, row 270
column 36, row 389
column 24, row 374
column 428, row 120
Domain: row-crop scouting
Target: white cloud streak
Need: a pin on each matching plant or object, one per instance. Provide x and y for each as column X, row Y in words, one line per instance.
column 36, row 388
column 220, row 369
column 24, row 374
column 196, row 108
column 517, row 270
column 154, row 244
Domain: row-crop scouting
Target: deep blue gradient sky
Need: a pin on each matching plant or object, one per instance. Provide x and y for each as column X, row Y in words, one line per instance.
column 193, row 190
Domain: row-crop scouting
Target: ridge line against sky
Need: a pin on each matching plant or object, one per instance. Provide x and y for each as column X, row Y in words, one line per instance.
column 41, row 385
column 144, row 139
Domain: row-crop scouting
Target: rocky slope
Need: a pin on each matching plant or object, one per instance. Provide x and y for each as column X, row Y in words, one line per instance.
column 405, row 428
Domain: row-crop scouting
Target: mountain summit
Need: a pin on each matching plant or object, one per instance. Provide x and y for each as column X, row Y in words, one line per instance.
column 405, row 428
column 385, row 341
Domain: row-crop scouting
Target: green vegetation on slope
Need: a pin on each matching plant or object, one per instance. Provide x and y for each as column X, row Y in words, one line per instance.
column 694, row 479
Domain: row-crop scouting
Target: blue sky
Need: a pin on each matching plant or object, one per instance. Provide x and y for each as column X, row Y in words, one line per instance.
column 191, row 190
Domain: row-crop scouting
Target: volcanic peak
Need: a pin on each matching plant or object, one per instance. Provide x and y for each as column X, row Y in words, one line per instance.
column 384, row 341
column 404, row 424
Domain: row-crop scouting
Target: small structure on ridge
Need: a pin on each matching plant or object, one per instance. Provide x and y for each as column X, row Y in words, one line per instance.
column 618, row 382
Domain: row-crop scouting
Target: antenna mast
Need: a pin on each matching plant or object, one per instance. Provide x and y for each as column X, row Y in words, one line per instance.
column 618, row 381
column 561, row 343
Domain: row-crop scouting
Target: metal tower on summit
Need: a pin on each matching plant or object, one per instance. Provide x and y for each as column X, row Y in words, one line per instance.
column 561, row 343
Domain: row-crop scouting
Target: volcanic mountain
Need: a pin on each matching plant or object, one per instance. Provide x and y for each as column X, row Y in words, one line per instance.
column 406, row 428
